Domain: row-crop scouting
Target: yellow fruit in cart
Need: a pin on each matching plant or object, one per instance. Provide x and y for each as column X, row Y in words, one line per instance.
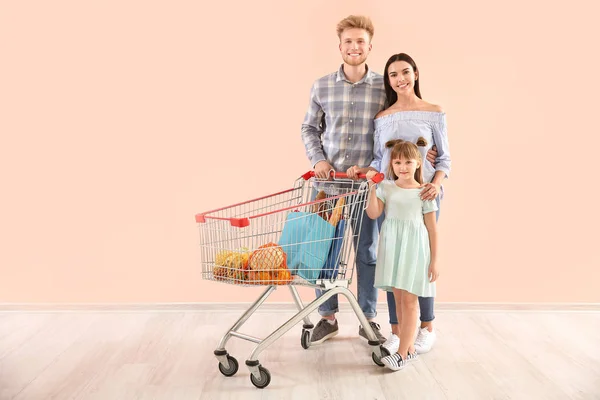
column 233, row 259
column 236, row 260
column 221, row 257
column 266, row 257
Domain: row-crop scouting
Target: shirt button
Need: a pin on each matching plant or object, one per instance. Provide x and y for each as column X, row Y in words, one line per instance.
column 352, row 103
column 350, row 120
column 349, row 138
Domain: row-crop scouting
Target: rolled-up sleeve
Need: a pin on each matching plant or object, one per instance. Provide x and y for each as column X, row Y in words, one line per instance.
column 440, row 139
column 377, row 151
column 313, row 127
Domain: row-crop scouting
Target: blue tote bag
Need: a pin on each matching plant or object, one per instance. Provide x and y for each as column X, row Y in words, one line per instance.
column 306, row 240
column 330, row 269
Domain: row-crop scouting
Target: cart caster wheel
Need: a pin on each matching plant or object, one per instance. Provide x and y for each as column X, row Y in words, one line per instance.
column 233, row 367
column 305, row 339
column 377, row 360
column 384, row 352
column 265, row 378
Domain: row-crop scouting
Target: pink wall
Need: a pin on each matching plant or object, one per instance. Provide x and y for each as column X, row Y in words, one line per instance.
column 121, row 120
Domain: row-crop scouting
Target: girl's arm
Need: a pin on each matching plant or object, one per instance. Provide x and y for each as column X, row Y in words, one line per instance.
column 432, row 229
column 375, row 206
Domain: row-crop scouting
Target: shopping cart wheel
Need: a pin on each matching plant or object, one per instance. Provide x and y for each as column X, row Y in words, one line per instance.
column 265, row 378
column 233, row 367
column 384, row 352
column 377, row 360
column 305, row 339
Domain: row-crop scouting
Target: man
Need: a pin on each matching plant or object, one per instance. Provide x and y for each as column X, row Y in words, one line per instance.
column 338, row 133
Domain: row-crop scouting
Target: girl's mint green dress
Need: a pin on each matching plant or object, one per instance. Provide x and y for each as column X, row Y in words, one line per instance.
column 403, row 255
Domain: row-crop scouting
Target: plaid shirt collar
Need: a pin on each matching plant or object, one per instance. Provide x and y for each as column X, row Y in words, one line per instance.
column 368, row 78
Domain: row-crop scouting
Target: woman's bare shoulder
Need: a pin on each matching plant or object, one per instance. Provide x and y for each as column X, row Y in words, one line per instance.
column 432, row 107
column 383, row 113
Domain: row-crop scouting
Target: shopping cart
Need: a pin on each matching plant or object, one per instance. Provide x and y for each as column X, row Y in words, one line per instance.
column 300, row 236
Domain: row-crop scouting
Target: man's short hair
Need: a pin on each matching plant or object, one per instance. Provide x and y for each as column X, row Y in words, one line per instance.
column 356, row 21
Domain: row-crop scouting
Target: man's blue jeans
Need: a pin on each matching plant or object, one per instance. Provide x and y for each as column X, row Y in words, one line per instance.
column 366, row 257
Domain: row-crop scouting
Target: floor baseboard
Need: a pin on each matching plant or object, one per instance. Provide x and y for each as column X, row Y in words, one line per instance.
column 288, row 307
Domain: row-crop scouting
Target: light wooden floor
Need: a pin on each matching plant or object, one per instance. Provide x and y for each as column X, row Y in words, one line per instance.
column 168, row 355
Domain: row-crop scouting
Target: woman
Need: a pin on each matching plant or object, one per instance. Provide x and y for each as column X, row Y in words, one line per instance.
column 410, row 118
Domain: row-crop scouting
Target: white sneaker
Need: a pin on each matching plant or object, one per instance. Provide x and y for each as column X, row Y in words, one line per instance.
column 424, row 341
column 392, row 344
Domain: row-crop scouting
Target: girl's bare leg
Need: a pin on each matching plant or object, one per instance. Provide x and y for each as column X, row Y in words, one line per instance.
column 396, row 327
column 409, row 305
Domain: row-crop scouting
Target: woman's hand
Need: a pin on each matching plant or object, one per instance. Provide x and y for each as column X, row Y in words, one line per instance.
column 432, row 155
column 430, row 191
column 433, row 273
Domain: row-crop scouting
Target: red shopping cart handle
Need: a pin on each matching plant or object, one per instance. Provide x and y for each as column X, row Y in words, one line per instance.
column 342, row 175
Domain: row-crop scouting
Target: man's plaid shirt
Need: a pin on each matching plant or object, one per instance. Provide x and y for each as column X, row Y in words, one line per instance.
column 338, row 126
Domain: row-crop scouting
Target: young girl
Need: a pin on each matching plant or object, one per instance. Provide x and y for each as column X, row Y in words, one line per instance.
column 406, row 258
